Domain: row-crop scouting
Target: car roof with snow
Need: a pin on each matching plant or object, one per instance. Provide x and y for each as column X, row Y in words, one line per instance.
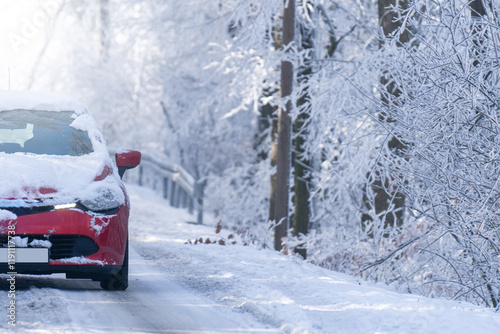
column 30, row 100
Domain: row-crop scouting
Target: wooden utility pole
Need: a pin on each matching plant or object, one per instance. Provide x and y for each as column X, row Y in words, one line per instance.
column 284, row 128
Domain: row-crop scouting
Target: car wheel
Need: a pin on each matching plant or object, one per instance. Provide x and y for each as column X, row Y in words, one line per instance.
column 118, row 282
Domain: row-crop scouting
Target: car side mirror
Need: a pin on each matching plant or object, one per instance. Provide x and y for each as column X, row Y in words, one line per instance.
column 127, row 159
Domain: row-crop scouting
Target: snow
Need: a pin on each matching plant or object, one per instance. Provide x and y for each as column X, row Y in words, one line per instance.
column 40, row 243
column 26, row 175
column 79, row 260
column 22, row 175
column 17, row 136
column 102, row 195
column 21, row 242
column 286, row 292
column 101, row 223
column 12, row 100
column 6, row 215
column 182, row 287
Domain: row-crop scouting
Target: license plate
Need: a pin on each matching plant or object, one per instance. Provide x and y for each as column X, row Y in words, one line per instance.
column 25, row 255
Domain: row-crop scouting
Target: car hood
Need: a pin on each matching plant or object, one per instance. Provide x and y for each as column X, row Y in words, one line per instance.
column 65, row 178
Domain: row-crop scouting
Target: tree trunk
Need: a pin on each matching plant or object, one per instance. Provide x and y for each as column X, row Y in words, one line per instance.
column 477, row 11
column 274, row 153
column 385, row 189
column 477, row 8
column 389, row 14
column 105, row 30
column 264, row 122
column 301, row 164
column 284, row 130
column 274, row 139
column 301, row 185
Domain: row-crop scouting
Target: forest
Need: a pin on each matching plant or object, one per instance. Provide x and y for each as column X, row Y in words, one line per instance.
column 391, row 165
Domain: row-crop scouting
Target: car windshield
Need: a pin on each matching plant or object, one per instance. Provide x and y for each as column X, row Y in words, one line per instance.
column 42, row 132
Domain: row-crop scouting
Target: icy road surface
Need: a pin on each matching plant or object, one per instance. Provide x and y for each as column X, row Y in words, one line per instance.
column 177, row 287
column 153, row 303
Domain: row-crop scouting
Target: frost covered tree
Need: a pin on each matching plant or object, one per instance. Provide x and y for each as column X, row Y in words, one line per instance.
column 448, row 115
column 439, row 101
column 384, row 198
column 313, row 21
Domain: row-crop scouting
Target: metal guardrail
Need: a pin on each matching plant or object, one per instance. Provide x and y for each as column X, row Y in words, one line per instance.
column 171, row 180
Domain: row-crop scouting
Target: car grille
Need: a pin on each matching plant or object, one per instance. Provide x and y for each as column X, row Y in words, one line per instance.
column 63, row 246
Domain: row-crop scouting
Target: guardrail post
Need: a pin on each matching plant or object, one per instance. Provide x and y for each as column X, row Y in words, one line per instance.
column 177, row 196
column 140, row 175
column 199, row 190
column 190, row 205
column 172, row 194
column 165, row 187
column 181, row 198
column 184, row 199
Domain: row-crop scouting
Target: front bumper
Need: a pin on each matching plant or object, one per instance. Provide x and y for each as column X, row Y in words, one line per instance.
column 105, row 235
column 96, row 273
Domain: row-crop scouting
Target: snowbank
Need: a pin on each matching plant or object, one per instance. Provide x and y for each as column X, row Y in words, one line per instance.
column 285, row 292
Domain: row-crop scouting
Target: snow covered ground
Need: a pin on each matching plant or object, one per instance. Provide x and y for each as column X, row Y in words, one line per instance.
column 178, row 287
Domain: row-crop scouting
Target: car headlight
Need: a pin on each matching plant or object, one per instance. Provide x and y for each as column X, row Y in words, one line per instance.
column 103, row 200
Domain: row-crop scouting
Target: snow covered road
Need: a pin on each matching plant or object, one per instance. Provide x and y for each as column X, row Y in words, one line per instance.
column 177, row 287
column 152, row 304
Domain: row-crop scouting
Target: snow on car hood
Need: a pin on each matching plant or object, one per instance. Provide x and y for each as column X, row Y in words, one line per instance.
column 62, row 178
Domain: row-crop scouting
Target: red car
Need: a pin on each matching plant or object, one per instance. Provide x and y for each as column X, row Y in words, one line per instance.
column 63, row 206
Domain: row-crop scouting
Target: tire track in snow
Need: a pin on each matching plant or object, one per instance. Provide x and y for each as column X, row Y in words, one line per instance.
column 153, row 303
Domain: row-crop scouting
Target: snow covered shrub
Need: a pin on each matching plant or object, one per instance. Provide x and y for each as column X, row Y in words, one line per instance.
column 240, row 199
column 448, row 117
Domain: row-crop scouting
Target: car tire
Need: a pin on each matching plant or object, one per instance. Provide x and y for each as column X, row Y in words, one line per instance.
column 118, row 282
